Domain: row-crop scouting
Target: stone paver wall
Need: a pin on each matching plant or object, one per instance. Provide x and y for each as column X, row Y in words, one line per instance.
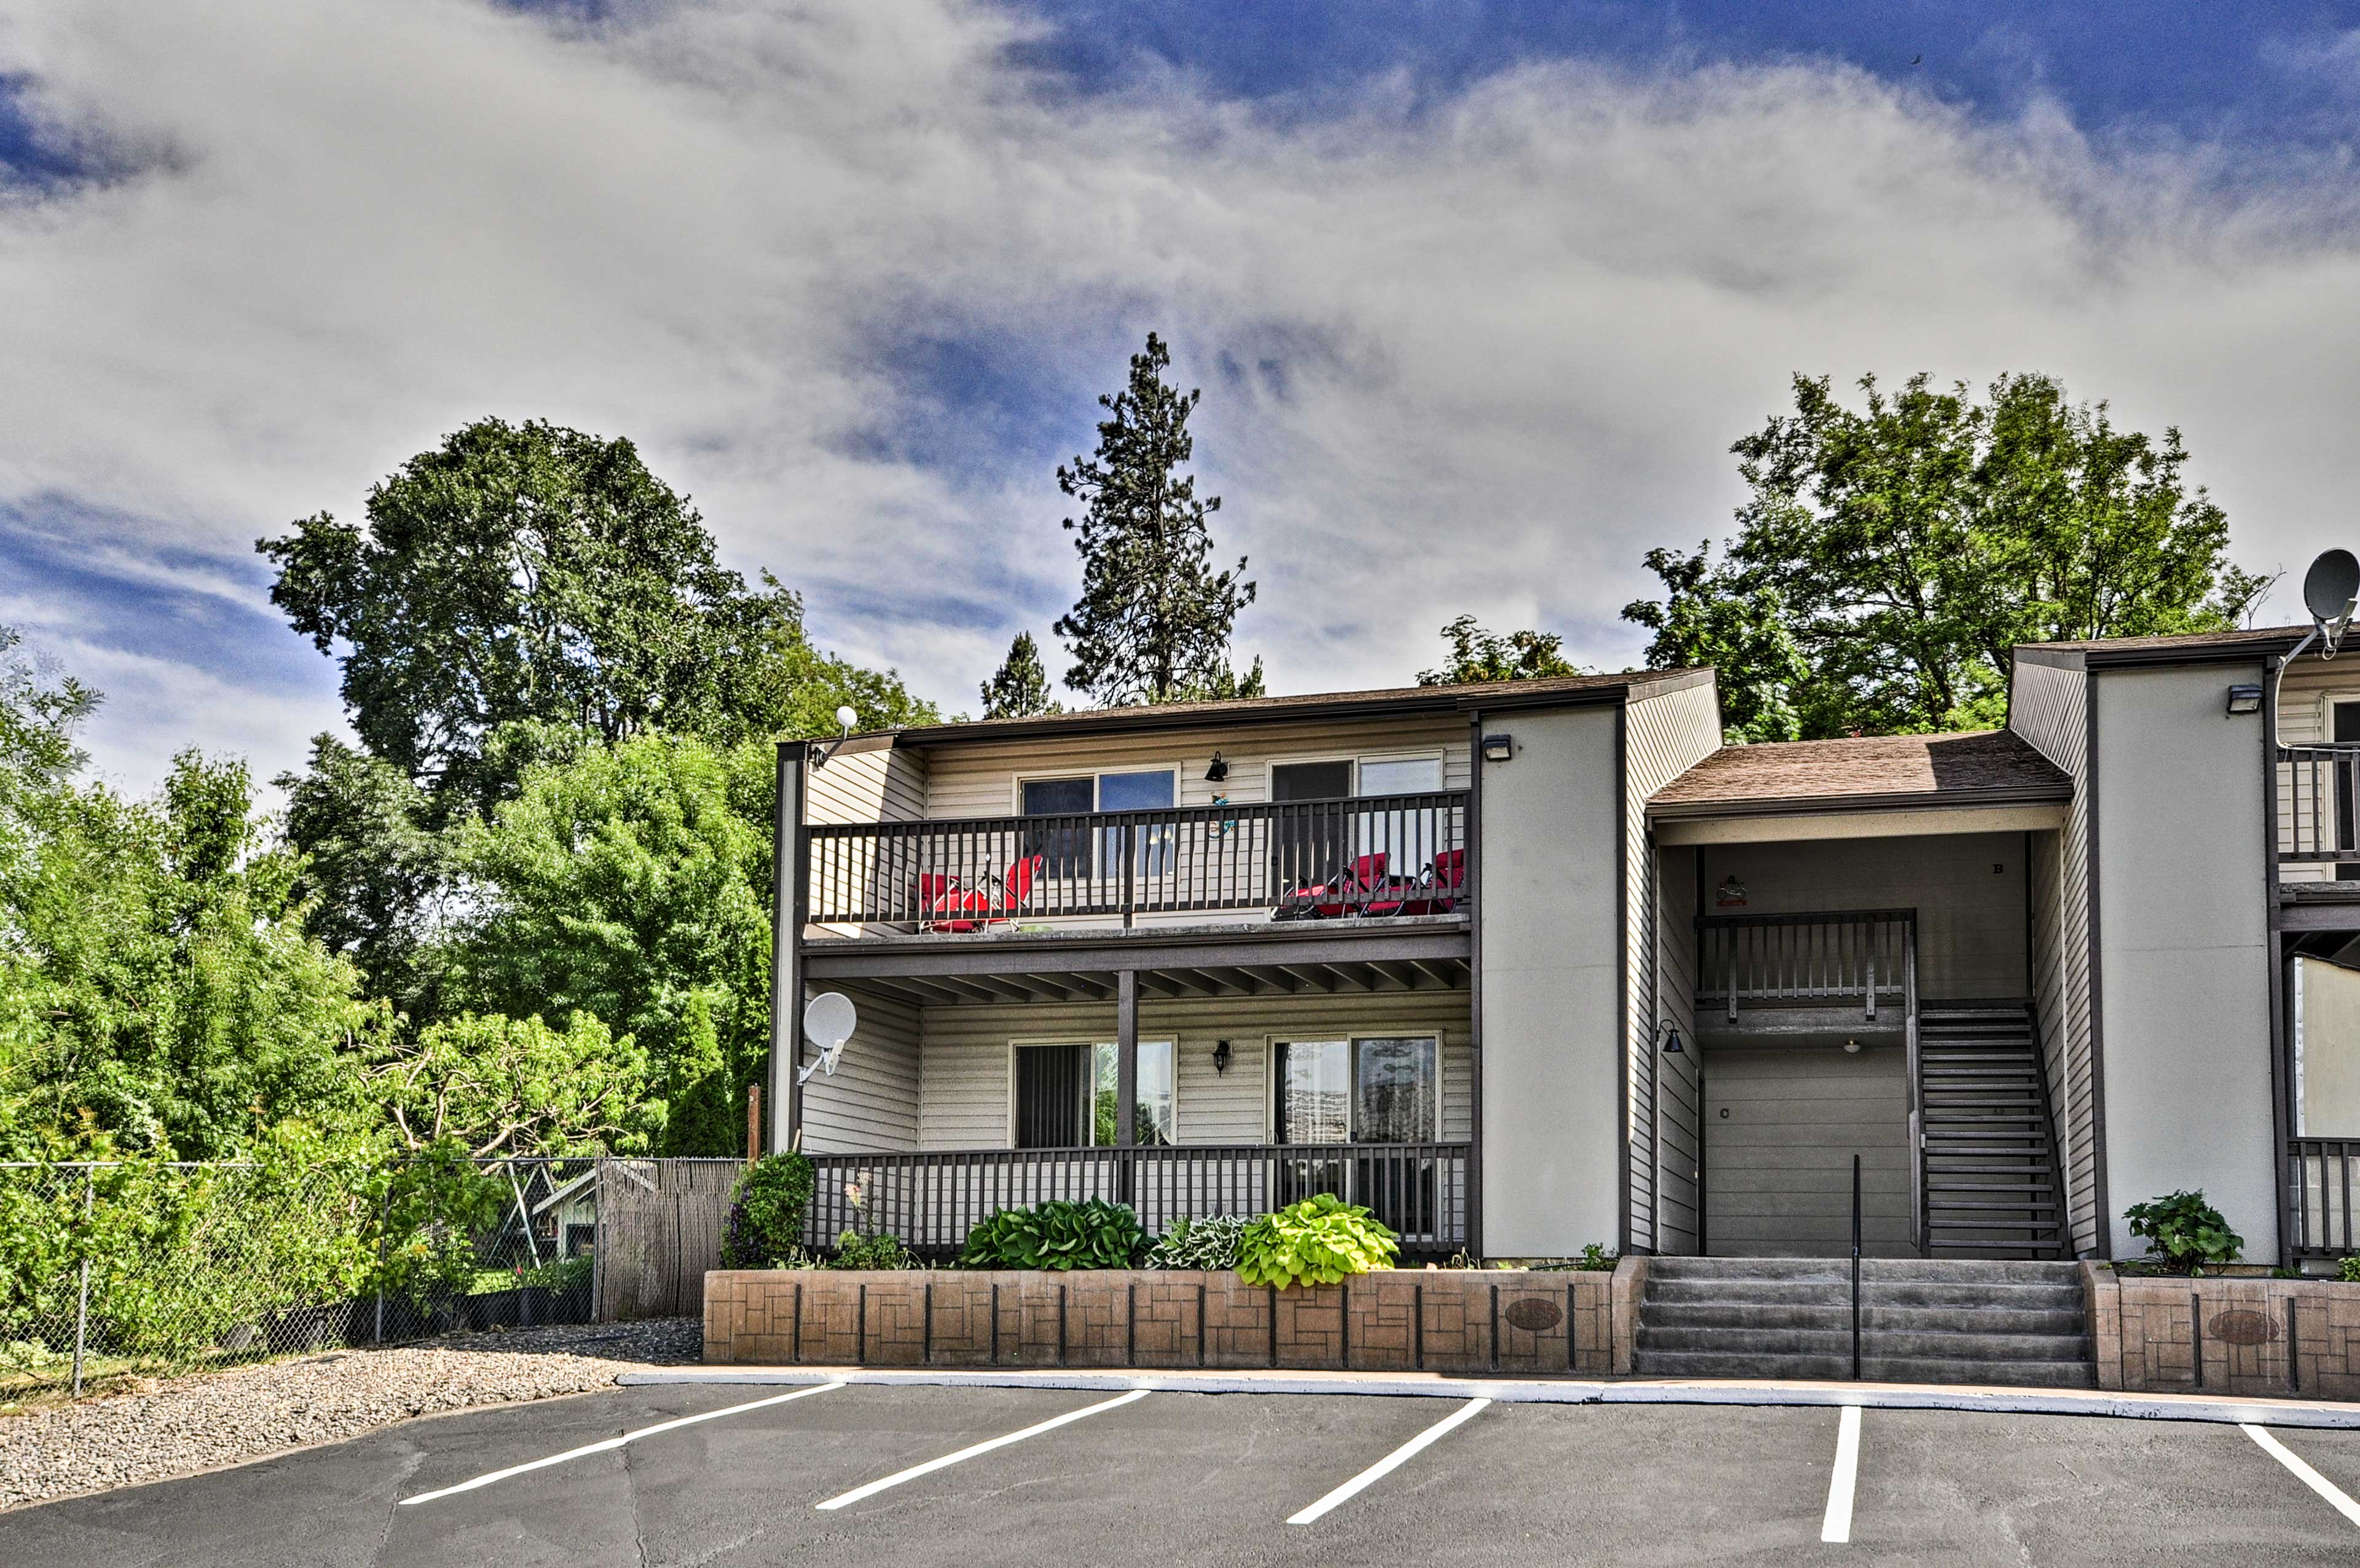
column 1395, row 1320
column 2237, row 1337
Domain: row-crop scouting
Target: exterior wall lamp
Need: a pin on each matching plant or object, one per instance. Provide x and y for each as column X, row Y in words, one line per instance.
column 2244, row 699
column 1221, row 1057
column 1217, row 770
column 1499, row 747
column 1671, row 1033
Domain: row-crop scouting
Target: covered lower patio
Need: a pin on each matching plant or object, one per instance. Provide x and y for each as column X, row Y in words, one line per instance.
column 1217, row 1079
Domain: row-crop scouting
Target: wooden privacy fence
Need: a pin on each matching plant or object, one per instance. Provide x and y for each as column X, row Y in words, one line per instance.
column 659, row 1225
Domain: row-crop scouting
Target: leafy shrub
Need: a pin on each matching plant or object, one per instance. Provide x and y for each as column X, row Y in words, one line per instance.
column 2348, row 1270
column 2184, row 1231
column 766, row 1216
column 1595, row 1259
column 1315, row 1241
column 883, row 1251
column 1199, row 1244
column 1060, row 1235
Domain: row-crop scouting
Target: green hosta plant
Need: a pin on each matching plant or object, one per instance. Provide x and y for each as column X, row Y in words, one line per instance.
column 1315, row 1241
column 2184, row 1232
column 1060, row 1235
column 2348, row 1269
column 1200, row 1243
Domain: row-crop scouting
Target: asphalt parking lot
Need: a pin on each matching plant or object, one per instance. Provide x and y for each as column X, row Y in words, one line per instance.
column 875, row 1474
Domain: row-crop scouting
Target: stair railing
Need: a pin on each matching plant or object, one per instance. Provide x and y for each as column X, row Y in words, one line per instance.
column 1921, row 1228
column 1855, row 1268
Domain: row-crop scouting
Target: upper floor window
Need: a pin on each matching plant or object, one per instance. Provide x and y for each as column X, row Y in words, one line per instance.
column 1071, row 849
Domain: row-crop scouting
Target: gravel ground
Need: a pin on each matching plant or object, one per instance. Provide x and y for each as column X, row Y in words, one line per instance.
column 179, row 1426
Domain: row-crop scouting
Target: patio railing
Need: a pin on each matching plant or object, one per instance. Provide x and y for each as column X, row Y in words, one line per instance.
column 2317, row 788
column 2320, row 1172
column 931, row 1201
column 1864, row 956
column 1376, row 855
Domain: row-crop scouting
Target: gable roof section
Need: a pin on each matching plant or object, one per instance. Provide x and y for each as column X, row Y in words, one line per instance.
column 1985, row 768
column 1564, row 691
column 2192, row 647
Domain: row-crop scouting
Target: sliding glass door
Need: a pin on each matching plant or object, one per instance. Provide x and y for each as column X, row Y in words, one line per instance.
column 1065, row 1095
column 1370, row 1090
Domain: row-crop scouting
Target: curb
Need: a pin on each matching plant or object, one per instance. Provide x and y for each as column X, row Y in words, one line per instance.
column 2318, row 1414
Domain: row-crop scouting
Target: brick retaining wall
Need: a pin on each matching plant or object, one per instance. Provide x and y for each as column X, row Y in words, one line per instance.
column 2224, row 1336
column 1394, row 1320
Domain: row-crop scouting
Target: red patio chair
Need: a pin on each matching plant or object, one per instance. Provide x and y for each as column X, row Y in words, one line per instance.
column 1007, row 901
column 1342, row 893
column 1436, row 892
column 940, row 895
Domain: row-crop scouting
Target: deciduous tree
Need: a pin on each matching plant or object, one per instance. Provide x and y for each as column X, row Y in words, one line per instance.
column 1478, row 656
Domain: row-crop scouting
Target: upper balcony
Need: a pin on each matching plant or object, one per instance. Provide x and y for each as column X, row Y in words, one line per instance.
column 1330, row 866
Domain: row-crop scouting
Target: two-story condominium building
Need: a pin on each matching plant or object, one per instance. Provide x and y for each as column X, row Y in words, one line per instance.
column 1531, row 965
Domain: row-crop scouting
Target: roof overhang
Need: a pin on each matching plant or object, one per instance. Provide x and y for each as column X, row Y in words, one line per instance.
column 1862, row 816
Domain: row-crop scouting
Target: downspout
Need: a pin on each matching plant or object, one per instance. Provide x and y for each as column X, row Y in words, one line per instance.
column 2273, row 916
column 1475, row 985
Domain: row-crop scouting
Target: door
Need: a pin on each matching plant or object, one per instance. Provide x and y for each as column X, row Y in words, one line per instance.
column 1782, row 1123
column 1314, row 824
column 2344, row 730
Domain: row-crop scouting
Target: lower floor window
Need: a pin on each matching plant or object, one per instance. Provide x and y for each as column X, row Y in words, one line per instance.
column 1067, row 1095
column 1380, row 1089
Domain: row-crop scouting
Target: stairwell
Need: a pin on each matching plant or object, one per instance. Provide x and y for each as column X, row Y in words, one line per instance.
column 1991, row 1175
column 1922, row 1321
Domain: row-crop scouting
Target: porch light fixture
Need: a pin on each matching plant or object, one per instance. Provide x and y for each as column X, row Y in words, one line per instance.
column 1215, row 770
column 1221, row 1057
column 2244, row 699
column 1671, row 1033
column 1499, row 747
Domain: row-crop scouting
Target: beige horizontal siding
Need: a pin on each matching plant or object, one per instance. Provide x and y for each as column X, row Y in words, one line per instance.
column 2306, row 696
column 1677, row 1162
column 1778, row 1179
column 980, row 780
column 964, row 1100
column 881, row 786
column 870, row 1105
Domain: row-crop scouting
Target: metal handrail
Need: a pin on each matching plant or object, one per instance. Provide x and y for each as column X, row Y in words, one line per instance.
column 1813, row 956
column 2318, row 819
column 1855, row 1268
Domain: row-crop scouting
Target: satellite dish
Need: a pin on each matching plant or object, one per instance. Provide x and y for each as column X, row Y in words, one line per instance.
column 846, row 718
column 827, row 1024
column 2331, row 589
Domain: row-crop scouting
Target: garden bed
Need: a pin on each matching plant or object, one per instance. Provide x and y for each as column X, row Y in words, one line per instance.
column 1458, row 1321
column 2241, row 1336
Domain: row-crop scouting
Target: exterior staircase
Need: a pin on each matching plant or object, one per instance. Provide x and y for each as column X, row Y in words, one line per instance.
column 1991, row 1177
column 1922, row 1321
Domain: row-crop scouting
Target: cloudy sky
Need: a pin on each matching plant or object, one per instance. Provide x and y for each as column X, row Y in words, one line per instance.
column 1478, row 294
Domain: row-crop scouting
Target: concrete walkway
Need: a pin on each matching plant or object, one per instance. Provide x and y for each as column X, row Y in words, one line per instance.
column 2323, row 1414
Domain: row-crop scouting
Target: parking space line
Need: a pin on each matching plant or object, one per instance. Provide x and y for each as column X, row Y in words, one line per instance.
column 2310, row 1477
column 614, row 1442
column 1390, row 1462
column 947, row 1460
column 1836, row 1524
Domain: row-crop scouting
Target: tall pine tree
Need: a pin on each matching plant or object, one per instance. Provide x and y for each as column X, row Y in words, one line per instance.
column 1020, row 687
column 1154, row 621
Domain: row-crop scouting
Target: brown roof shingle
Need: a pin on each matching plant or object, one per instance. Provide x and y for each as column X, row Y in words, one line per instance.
column 1876, row 771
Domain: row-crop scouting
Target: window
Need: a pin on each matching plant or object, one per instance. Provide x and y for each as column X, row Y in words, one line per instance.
column 1408, row 839
column 1066, row 1094
column 2343, row 729
column 1376, row 1089
column 1066, row 846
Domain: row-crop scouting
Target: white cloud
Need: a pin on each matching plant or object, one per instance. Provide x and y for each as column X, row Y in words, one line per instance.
column 1492, row 349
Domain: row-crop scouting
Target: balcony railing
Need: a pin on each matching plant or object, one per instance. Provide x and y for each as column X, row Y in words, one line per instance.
column 932, row 1201
column 1377, row 855
column 2320, row 1173
column 2317, row 788
column 1866, row 957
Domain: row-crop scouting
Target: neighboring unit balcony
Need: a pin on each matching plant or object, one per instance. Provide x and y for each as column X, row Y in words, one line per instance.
column 1384, row 861
column 2318, row 829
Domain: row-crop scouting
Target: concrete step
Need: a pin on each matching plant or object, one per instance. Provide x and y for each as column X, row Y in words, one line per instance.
column 1874, row 1317
column 1934, row 1346
column 1738, row 1364
column 2031, row 1374
column 1748, row 1268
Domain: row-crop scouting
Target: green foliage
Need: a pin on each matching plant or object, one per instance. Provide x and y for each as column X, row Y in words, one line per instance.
column 1093, row 1234
column 766, row 1216
column 1199, row 1244
column 1315, row 1241
column 2184, row 1231
column 1888, row 558
column 625, row 884
column 1019, row 688
column 1476, row 655
column 1154, row 621
column 373, row 870
column 2347, row 1269
column 510, row 1086
column 883, row 1251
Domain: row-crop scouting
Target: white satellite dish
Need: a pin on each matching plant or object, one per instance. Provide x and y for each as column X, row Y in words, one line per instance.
column 828, row 1022
column 2331, row 590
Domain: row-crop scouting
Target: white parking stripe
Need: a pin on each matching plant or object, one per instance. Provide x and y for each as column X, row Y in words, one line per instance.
column 947, row 1460
column 1390, row 1462
column 1836, row 1525
column 2302, row 1472
column 614, row 1442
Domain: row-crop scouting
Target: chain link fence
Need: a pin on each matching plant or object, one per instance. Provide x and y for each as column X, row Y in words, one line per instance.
column 119, row 1267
